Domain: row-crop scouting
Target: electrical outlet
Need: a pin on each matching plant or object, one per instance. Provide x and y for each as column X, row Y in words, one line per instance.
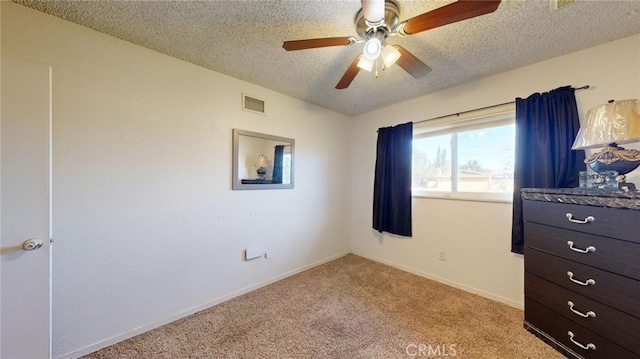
column 443, row 256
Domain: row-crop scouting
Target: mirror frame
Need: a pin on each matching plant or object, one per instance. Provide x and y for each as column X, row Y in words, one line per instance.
column 236, row 183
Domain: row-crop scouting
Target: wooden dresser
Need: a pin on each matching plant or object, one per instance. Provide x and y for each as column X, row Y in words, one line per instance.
column 582, row 271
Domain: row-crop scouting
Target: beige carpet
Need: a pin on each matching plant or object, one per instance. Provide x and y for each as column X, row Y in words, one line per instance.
column 348, row 308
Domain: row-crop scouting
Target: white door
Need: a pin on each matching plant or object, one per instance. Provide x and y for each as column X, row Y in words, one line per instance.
column 25, row 286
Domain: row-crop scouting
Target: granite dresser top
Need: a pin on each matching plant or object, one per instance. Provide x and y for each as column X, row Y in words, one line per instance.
column 587, row 197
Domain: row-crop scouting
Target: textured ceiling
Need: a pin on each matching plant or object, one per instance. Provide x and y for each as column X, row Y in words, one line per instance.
column 243, row 39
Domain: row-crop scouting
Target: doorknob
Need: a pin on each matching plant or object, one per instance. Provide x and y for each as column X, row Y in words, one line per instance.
column 32, row 244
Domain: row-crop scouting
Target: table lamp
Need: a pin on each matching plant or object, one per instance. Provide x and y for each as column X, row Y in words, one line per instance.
column 262, row 165
column 608, row 126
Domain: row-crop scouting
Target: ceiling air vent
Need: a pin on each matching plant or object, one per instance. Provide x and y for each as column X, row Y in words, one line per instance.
column 558, row 4
column 252, row 104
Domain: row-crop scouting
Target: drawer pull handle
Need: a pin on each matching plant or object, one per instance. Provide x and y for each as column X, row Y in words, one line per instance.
column 588, row 282
column 586, row 347
column 590, row 313
column 589, row 249
column 581, row 221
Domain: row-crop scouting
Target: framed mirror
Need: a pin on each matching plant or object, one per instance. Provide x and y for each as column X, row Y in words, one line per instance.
column 262, row 161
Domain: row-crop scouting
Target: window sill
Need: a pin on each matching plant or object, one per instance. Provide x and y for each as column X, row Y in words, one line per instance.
column 465, row 196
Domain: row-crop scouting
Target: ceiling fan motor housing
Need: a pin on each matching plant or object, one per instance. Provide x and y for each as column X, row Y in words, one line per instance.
column 373, row 12
column 389, row 23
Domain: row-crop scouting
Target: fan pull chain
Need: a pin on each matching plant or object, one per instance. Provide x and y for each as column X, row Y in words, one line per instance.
column 376, row 65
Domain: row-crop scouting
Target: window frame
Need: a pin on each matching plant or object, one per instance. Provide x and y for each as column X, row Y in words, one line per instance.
column 483, row 118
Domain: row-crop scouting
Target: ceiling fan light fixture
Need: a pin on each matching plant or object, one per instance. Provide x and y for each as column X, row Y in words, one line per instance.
column 372, row 48
column 390, row 55
column 365, row 64
column 379, row 19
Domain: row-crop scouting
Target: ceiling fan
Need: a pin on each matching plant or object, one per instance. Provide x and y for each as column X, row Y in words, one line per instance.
column 379, row 19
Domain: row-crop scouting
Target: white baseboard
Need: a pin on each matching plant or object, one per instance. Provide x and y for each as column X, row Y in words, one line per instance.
column 113, row 340
column 466, row 288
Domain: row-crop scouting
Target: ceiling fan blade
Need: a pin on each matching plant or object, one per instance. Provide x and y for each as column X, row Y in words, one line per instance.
column 411, row 64
column 321, row 42
column 349, row 75
column 448, row 14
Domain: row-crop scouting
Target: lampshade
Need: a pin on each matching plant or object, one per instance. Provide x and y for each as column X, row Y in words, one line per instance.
column 616, row 122
column 390, row 55
column 262, row 161
column 372, row 48
column 365, row 64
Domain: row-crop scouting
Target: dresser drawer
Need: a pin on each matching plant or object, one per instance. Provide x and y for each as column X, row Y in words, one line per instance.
column 560, row 329
column 612, row 255
column 619, row 327
column 609, row 222
column 615, row 290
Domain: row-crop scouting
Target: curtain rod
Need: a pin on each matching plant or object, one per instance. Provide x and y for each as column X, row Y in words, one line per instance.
column 483, row 108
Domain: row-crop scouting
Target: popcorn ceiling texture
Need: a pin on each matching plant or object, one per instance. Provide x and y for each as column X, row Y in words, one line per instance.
column 243, row 39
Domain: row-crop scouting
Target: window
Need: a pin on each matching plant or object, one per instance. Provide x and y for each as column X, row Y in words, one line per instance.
column 466, row 157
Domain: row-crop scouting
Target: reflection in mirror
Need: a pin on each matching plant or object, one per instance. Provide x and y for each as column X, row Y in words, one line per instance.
column 262, row 161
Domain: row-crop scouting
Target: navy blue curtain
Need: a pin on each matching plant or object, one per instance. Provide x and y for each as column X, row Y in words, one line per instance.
column 277, row 164
column 392, row 181
column 546, row 126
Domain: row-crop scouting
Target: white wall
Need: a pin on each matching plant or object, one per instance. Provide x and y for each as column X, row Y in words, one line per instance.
column 146, row 226
column 476, row 235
